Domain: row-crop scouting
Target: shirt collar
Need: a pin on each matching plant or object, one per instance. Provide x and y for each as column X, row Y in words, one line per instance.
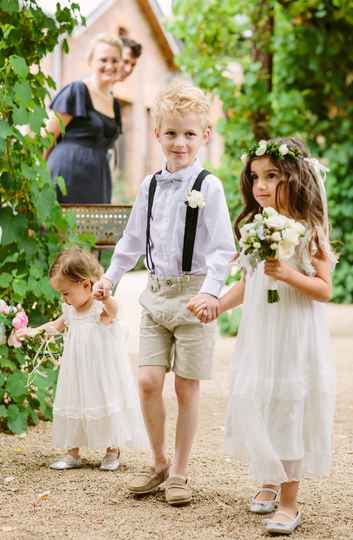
column 181, row 175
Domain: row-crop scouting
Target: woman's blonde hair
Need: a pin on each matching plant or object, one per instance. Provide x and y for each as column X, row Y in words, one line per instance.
column 182, row 97
column 76, row 265
column 108, row 39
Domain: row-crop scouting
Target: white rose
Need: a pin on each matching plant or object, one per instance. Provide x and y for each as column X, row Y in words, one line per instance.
column 257, row 245
column 283, row 149
column 276, row 222
column 276, row 236
column 258, row 217
column 244, row 158
column 298, row 227
column 269, row 211
column 291, row 236
column 285, row 250
column 195, row 199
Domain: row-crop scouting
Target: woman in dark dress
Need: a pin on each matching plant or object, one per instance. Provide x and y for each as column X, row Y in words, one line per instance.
column 91, row 116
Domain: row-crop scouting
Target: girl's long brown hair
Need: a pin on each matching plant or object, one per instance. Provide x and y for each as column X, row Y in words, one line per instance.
column 301, row 185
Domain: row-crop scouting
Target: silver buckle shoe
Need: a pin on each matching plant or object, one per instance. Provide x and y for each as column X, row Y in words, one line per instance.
column 110, row 462
column 66, row 462
column 264, row 507
column 276, row 527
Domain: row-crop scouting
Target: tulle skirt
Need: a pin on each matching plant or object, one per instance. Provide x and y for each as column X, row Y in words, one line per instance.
column 282, row 397
column 96, row 403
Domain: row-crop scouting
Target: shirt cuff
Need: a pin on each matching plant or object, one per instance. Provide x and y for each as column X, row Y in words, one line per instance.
column 212, row 286
column 114, row 275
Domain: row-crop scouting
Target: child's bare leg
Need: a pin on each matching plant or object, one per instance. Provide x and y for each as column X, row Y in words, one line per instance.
column 111, row 450
column 151, row 381
column 287, row 501
column 74, row 452
column 266, row 495
column 188, row 393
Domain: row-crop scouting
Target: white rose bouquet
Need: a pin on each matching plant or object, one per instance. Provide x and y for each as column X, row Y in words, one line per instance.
column 270, row 236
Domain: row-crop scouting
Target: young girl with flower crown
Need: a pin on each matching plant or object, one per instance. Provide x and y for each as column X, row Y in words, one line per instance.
column 282, row 398
column 96, row 403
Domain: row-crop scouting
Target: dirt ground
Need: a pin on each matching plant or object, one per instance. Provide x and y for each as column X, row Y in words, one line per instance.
column 37, row 503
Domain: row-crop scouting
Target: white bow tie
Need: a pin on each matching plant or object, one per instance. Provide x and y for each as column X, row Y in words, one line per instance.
column 166, row 176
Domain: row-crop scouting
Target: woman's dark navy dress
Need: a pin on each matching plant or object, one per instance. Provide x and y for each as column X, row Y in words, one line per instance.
column 80, row 155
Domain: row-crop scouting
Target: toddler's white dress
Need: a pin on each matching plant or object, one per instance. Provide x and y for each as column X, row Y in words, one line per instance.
column 96, row 403
column 283, row 387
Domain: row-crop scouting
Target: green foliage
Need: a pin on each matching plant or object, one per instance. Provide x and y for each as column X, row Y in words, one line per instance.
column 296, row 57
column 33, row 226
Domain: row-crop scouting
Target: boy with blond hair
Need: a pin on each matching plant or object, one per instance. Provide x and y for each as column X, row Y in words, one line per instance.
column 180, row 221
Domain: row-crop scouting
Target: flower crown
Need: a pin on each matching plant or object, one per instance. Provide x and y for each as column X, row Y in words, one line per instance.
column 273, row 149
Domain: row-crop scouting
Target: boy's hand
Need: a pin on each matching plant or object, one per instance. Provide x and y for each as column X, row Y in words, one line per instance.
column 102, row 289
column 205, row 307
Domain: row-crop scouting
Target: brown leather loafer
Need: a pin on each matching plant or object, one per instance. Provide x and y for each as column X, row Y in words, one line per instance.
column 147, row 481
column 178, row 490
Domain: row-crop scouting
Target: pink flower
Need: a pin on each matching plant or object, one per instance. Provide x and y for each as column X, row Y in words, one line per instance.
column 20, row 320
column 13, row 341
column 4, row 308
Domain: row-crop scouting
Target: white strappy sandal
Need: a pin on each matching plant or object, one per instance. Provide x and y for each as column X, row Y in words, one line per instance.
column 276, row 527
column 264, row 507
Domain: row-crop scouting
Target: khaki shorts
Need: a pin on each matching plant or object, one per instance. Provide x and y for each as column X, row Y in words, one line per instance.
column 170, row 335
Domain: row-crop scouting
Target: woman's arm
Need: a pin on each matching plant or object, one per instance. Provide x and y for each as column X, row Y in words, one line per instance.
column 318, row 287
column 54, row 126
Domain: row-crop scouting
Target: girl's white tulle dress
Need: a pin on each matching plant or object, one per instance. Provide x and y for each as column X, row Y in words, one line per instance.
column 96, row 403
column 283, row 386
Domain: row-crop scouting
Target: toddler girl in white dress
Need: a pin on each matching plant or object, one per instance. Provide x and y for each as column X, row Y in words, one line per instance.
column 96, row 403
column 283, row 388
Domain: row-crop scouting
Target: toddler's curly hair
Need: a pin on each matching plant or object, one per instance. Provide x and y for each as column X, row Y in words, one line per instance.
column 76, row 265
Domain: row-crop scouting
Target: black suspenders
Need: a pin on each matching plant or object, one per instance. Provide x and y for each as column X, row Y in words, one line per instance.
column 151, row 192
column 190, row 225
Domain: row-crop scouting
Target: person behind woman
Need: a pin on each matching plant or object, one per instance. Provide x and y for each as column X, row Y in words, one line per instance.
column 92, row 121
column 131, row 53
column 283, row 392
column 96, row 402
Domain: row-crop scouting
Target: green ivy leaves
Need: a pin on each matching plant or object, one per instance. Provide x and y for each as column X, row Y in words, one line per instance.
column 33, row 226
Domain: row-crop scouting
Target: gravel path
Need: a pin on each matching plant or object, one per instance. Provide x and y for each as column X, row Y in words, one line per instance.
column 37, row 503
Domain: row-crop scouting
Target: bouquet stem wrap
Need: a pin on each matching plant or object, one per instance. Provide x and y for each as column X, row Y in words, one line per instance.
column 272, row 291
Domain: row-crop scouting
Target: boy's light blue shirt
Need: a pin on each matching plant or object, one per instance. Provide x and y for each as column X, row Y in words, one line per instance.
column 214, row 243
